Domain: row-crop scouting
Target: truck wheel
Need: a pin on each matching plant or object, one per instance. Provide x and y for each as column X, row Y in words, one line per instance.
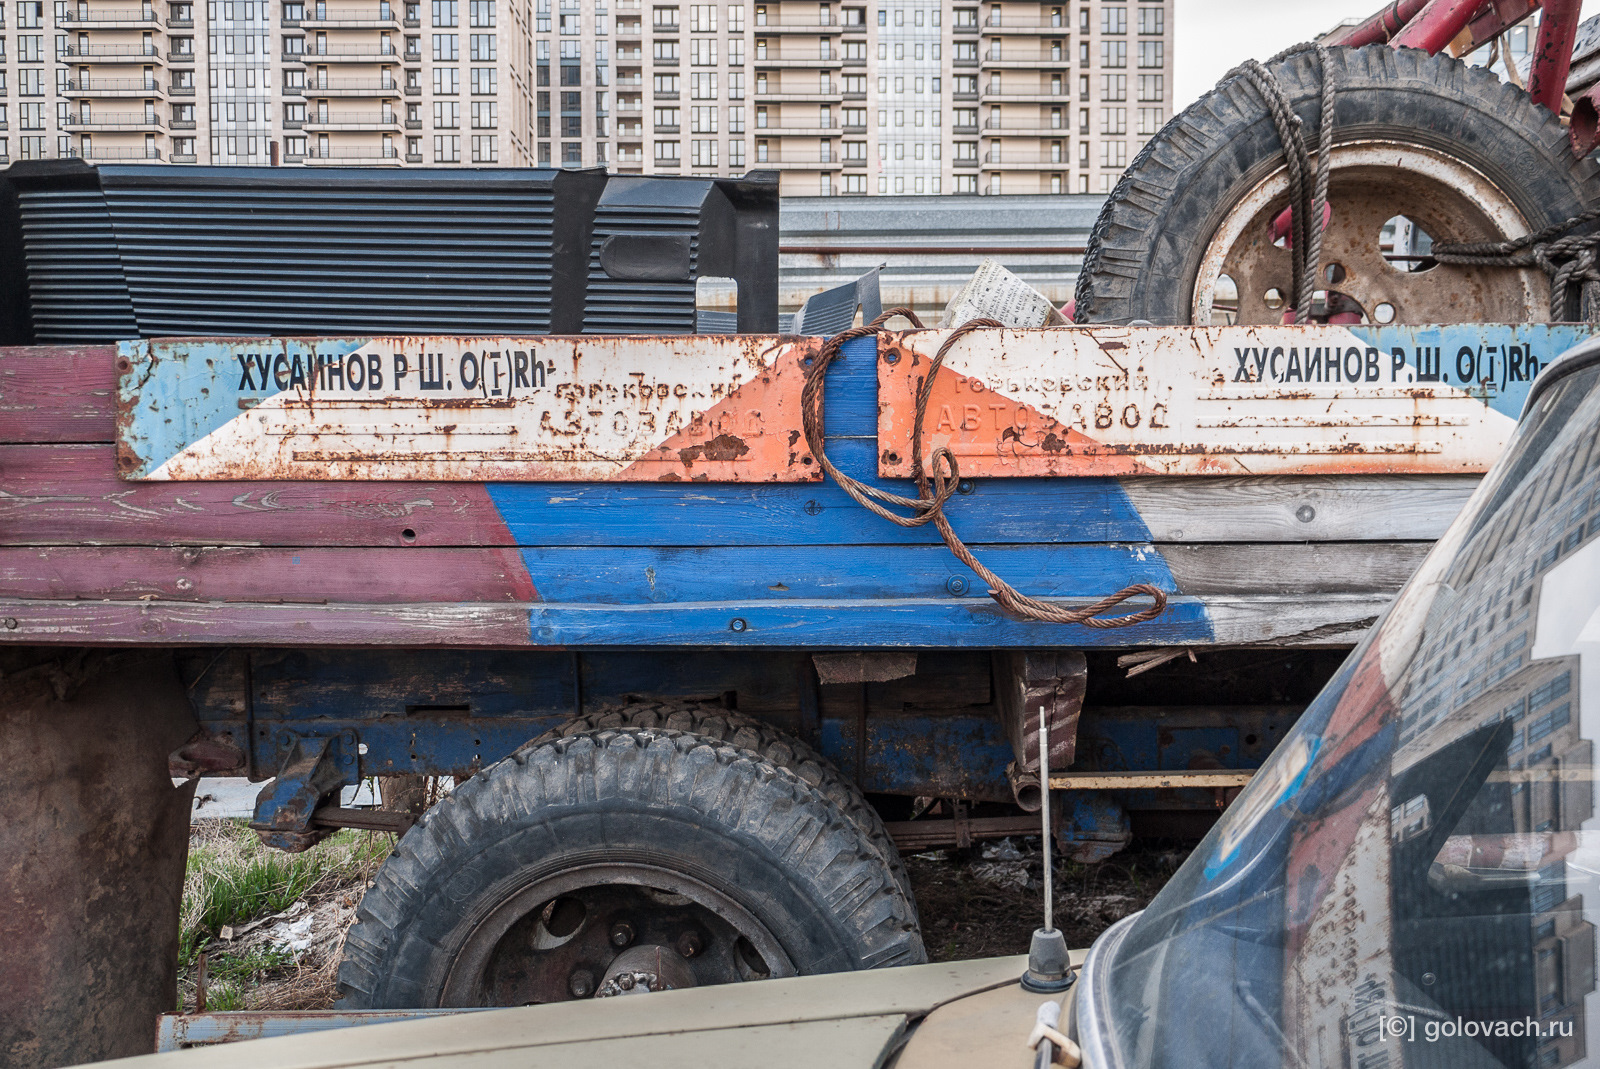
column 607, row 859
column 767, row 742
column 1449, row 150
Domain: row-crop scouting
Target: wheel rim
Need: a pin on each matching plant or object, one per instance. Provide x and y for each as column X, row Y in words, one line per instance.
column 1371, row 182
column 539, row 942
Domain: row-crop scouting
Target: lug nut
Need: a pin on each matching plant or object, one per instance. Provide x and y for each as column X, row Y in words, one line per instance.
column 625, row 981
column 621, row 934
column 581, row 983
column 689, row 944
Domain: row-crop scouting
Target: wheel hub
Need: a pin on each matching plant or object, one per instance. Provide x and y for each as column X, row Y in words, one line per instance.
column 610, row 930
column 1371, row 271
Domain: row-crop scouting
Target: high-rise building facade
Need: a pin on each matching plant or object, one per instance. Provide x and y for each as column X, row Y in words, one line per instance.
column 842, row 97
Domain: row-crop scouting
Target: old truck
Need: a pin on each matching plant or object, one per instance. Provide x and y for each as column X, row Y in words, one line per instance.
column 705, row 627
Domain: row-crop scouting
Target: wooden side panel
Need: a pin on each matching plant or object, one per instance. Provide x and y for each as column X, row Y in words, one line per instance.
column 57, row 394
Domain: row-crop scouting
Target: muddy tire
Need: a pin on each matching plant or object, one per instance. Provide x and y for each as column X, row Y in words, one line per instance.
column 1146, row 248
column 773, row 876
column 769, row 743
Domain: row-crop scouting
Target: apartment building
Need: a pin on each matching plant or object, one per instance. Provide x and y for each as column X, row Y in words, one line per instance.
column 886, row 96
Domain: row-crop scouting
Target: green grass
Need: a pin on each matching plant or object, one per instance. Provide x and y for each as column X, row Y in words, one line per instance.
column 232, row 879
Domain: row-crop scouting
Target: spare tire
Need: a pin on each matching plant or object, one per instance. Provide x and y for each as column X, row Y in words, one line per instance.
column 1451, row 148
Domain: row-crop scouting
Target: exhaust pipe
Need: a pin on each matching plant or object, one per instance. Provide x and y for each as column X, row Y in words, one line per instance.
column 1025, row 788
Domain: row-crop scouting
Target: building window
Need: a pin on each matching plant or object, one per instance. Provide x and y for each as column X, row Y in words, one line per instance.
column 485, row 149
column 482, row 47
column 485, row 115
column 1152, row 86
column 1152, row 53
column 855, row 183
column 1113, row 20
column 1113, row 120
column 1113, row 87
column 667, row 152
column 1150, row 120
column 481, row 13
column 572, row 153
column 703, row 153
column 736, row 153
column 446, row 148
column 483, row 80
column 1115, row 53
column 1152, row 20
column 446, row 114
column 444, row 12
column 446, row 81
column 1113, row 153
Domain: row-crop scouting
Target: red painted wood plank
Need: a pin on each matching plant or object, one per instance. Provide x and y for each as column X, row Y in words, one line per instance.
column 58, row 394
column 55, row 494
column 413, row 574
column 151, row 623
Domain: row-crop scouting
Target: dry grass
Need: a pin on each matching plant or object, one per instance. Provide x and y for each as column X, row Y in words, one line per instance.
column 271, row 925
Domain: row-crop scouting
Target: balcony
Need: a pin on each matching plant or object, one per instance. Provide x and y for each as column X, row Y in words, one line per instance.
column 413, row 157
column 411, row 57
column 779, row 96
column 182, row 124
column 353, row 121
column 958, row 128
column 112, row 87
column 84, row 19
column 993, row 25
column 796, row 130
column 812, row 162
column 964, row 162
column 1023, row 128
column 776, row 62
column 964, row 29
column 413, row 124
column 666, row 61
column 293, row 57
column 180, row 24
column 180, row 91
column 660, row 129
column 665, row 29
column 113, row 53
column 1039, row 95
column 413, row 90
column 353, row 154
column 351, row 18
column 1024, row 161
column 130, row 152
column 800, row 26
column 350, row 53
column 995, row 60
column 113, row 123
column 364, row 88
column 411, row 24
column 964, row 61
column 184, row 157
column 180, row 57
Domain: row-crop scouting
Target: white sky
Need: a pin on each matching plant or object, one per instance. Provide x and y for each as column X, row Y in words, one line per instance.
column 1211, row 37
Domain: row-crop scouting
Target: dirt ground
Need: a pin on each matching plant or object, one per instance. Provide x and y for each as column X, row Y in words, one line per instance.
column 271, row 926
column 977, row 907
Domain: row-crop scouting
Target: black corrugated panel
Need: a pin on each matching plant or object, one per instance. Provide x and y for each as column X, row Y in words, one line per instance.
column 102, row 254
column 76, row 289
column 641, row 306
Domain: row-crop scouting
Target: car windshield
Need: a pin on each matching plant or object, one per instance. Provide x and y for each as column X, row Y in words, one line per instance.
column 1411, row 878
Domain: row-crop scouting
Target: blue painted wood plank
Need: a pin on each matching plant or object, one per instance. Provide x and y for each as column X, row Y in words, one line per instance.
column 997, row 511
column 662, row 575
column 850, row 408
column 930, row 622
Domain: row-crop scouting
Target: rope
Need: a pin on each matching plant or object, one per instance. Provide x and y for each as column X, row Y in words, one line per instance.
column 1569, row 261
column 936, row 489
column 1307, row 200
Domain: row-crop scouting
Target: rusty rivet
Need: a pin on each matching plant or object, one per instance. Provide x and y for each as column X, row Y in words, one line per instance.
column 621, row 934
column 11, row 623
column 689, row 944
column 581, row 983
column 738, row 624
column 1305, row 513
column 124, row 364
column 891, row 356
column 956, row 584
column 893, row 458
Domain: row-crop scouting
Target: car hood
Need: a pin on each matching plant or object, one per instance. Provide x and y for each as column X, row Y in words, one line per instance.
column 969, row 1013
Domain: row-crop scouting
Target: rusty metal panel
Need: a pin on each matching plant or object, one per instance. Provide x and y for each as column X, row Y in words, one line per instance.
column 625, row 409
column 179, row 1031
column 1214, row 400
